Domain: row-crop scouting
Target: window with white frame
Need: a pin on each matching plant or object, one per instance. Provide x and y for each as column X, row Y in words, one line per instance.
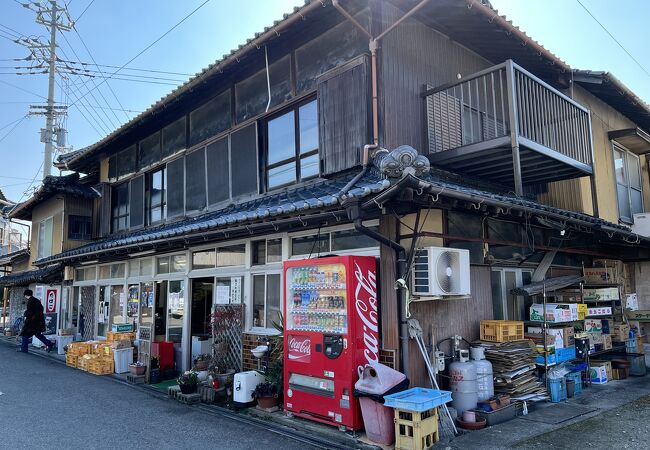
column 156, row 196
column 117, row 270
column 45, row 238
column 266, row 299
column 171, row 264
column 628, row 183
column 266, row 251
column 85, row 274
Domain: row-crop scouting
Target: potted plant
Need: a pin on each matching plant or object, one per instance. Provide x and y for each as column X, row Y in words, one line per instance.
column 202, row 362
column 137, row 368
column 266, row 394
column 188, row 382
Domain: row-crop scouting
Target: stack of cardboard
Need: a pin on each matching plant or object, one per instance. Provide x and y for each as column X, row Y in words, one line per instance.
column 513, row 364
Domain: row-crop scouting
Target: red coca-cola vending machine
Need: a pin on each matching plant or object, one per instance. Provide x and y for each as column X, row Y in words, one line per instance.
column 331, row 332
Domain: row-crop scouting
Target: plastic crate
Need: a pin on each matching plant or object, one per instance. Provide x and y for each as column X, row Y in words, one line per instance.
column 501, row 330
column 417, row 399
column 101, row 366
column 557, row 389
column 71, row 360
column 565, row 354
column 499, row 415
column 416, row 430
column 577, row 377
column 79, row 348
column 119, row 336
column 122, row 358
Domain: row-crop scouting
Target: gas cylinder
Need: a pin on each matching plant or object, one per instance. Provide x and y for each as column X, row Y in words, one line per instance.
column 463, row 384
column 484, row 376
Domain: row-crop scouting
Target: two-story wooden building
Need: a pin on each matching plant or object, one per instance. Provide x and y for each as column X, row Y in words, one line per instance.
column 276, row 151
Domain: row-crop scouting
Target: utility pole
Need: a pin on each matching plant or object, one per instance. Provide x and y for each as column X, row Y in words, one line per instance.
column 55, row 18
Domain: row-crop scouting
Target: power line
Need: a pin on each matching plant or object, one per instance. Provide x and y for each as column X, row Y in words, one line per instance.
column 136, row 69
column 21, row 89
column 11, row 123
column 157, row 40
column 84, row 11
column 12, row 128
column 614, row 39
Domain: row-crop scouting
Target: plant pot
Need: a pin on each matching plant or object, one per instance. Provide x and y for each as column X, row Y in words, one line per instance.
column 188, row 388
column 137, row 370
column 226, row 378
column 480, row 423
column 200, row 366
column 220, row 347
column 267, row 402
column 570, row 388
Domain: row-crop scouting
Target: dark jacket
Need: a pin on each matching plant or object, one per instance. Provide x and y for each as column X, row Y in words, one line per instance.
column 34, row 318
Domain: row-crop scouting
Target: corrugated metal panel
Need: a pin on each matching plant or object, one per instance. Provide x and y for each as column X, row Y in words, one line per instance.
column 344, row 117
column 413, row 56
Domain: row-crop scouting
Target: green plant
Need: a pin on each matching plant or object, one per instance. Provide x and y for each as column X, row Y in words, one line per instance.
column 275, row 371
column 265, row 389
column 188, row 378
column 203, row 357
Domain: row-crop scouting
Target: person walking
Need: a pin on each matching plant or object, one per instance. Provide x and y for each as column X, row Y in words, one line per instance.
column 34, row 323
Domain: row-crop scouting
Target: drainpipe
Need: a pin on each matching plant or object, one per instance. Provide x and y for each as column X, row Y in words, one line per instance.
column 355, row 214
column 364, row 169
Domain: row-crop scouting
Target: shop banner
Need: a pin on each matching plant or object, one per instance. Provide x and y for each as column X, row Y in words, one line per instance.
column 50, row 301
column 300, row 348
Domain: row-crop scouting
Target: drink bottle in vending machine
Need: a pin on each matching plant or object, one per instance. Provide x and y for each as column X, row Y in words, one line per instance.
column 331, row 331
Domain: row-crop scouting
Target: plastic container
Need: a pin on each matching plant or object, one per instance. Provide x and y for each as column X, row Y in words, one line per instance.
column 498, row 416
column 61, row 342
column 484, row 374
column 502, row 330
column 122, row 358
column 463, row 383
column 417, row 399
column 376, row 380
column 557, row 389
column 164, row 351
column 576, row 377
column 570, row 388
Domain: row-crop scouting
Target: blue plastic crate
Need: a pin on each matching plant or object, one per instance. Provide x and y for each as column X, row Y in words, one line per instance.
column 565, row 354
column 417, row 399
column 550, row 360
column 557, row 389
column 577, row 377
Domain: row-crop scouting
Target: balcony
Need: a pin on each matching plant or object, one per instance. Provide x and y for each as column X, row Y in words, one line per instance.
column 506, row 125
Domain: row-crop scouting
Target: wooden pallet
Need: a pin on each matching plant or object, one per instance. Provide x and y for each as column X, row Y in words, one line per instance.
column 189, row 399
column 135, row 379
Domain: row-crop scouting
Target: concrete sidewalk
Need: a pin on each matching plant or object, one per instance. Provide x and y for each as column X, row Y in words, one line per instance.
column 545, row 419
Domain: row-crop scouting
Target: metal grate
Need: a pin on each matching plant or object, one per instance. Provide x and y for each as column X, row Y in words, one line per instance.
column 227, row 331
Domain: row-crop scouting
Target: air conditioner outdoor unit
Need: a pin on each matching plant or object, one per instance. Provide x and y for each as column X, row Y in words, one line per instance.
column 439, row 271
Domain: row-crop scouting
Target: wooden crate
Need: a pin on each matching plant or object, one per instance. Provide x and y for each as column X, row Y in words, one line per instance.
column 502, row 330
column 102, row 349
column 101, row 366
column 71, row 360
column 119, row 336
column 80, row 348
column 83, row 362
column 416, row 430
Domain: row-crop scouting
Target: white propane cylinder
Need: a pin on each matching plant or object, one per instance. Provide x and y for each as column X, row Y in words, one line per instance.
column 463, row 384
column 484, row 375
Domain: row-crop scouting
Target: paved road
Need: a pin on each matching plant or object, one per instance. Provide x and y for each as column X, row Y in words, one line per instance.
column 45, row 405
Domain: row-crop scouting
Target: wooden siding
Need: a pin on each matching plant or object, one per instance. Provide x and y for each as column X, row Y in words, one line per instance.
column 414, row 55
column 75, row 206
column 344, row 115
column 389, row 307
column 441, row 319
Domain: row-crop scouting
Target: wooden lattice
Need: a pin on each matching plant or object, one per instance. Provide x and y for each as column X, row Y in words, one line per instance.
column 227, row 331
column 88, row 310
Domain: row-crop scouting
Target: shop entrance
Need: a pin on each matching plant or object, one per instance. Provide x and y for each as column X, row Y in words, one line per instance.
column 202, row 291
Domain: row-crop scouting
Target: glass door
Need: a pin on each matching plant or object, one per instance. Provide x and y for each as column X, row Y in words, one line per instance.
column 160, row 311
column 145, row 318
column 200, row 313
column 133, row 305
column 117, row 304
column 175, row 312
column 316, row 299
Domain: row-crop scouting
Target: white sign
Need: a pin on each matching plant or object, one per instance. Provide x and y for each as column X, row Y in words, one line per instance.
column 223, row 295
column 235, row 283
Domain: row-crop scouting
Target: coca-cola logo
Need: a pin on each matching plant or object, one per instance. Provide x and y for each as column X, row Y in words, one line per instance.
column 299, row 348
column 365, row 300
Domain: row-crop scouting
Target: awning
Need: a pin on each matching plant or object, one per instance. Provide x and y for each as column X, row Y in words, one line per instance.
column 45, row 275
column 634, row 139
column 550, row 285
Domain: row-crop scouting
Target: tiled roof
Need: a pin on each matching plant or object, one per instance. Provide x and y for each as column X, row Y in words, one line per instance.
column 321, row 195
column 43, row 275
column 11, row 257
column 52, row 185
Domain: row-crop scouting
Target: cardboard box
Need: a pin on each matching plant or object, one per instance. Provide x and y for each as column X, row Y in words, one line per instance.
column 555, row 312
column 593, row 326
column 569, row 336
column 556, row 333
column 598, row 374
column 620, row 332
column 599, row 311
column 642, row 315
column 582, row 311
column 595, row 338
column 631, row 302
column 607, row 341
column 602, row 294
column 605, row 271
column 538, row 339
column 606, row 364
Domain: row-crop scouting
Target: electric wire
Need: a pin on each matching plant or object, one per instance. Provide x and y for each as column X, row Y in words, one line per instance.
column 156, row 41
column 13, row 128
column 90, row 114
column 614, row 39
column 84, row 11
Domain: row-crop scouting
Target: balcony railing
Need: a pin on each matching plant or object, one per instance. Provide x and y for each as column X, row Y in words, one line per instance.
column 475, row 124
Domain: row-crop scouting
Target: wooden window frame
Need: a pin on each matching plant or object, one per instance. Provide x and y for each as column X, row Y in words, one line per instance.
column 149, row 206
column 128, row 210
column 628, row 185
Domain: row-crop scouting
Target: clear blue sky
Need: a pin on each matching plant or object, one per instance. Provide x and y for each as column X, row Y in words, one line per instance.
column 117, row 30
